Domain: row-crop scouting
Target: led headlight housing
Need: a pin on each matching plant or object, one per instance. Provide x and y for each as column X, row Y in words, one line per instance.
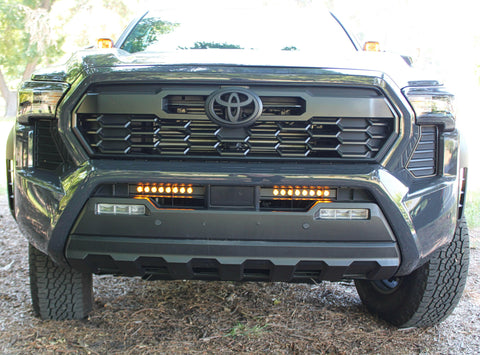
column 432, row 105
column 39, row 99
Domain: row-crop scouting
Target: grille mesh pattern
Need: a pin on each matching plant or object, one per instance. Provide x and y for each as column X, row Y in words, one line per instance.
column 47, row 155
column 424, row 159
column 149, row 135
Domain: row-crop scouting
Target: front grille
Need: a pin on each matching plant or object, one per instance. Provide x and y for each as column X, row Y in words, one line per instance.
column 127, row 135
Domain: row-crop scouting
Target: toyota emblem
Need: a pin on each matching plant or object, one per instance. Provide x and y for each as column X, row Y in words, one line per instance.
column 233, row 107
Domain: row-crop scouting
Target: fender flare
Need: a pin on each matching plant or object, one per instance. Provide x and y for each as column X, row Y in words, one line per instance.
column 10, row 151
column 463, row 159
column 463, row 153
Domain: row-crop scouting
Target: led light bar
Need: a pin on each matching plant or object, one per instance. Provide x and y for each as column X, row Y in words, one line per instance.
column 119, row 209
column 343, row 214
column 166, row 190
column 300, row 192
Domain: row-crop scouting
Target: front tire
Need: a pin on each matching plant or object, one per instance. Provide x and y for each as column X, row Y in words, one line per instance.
column 429, row 294
column 58, row 292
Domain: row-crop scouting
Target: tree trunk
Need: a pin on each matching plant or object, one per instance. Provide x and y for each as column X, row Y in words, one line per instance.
column 29, row 69
column 47, row 4
column 9, row 96
column 11, row 109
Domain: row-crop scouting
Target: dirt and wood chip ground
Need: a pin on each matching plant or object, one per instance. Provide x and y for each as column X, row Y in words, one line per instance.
column 132, row 316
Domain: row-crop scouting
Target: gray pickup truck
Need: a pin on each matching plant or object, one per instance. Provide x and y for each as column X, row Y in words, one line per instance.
column 250, row 146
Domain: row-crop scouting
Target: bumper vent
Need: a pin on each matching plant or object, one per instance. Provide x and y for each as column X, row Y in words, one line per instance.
column 47, row 155
column 118, row 135
column 423, row 162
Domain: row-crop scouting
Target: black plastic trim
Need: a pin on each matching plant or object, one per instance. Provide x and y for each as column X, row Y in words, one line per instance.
column 232, row 260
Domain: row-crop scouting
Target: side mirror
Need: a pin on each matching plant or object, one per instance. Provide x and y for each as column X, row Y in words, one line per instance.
column 371, row 46
column 104, row 43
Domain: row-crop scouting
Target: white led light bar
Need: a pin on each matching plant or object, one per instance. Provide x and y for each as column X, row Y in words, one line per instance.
column 343, row 213
column 119, row 210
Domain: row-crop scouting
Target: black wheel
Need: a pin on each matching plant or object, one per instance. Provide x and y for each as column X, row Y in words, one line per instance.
column 57, row 292
column 429, row 294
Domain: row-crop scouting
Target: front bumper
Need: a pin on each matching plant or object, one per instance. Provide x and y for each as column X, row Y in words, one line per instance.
column 232, row 245
column 405, row 227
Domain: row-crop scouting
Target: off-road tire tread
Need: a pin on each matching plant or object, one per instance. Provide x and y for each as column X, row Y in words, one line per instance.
column 58, row 293
column 428, row 295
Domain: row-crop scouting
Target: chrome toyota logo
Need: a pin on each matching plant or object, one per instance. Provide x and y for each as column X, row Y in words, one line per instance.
column 233, row 107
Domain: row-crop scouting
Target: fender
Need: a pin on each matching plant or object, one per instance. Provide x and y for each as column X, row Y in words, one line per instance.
column 10, row 165
column 463, row 153
column 10, row 152
column 462, row 175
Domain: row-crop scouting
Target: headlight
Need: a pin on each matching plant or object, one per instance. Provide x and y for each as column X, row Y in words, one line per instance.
column 39, row 99
column 432, row 105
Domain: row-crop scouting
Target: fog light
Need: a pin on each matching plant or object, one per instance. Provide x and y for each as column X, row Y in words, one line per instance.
column 119, row 209
column 343, row 213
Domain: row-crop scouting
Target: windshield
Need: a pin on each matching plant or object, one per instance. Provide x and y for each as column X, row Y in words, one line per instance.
column 264, row 26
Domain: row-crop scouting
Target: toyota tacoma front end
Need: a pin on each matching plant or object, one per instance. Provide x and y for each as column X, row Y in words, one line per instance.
column 226, row 164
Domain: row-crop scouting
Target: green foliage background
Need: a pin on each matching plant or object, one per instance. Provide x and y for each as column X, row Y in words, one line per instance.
column 17, row 48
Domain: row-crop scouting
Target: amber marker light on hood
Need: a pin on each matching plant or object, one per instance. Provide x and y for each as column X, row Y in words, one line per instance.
column 104, row 43
column 371, row 46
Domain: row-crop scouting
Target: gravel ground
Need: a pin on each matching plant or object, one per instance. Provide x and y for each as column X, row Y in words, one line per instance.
column 132, row 316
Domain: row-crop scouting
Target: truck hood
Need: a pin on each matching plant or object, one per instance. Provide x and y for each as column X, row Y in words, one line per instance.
column 91, row 61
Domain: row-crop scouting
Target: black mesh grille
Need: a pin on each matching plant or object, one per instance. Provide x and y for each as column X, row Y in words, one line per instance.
column 424, row 159
column 47, row 155
column 148, row 136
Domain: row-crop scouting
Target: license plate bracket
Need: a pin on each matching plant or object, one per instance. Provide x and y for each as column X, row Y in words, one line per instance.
column 244, row 197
